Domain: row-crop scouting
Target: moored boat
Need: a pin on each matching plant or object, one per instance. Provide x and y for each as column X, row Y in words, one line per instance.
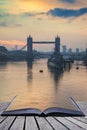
column 56, row 61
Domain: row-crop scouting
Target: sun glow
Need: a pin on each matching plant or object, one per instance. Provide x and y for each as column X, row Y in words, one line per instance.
column 29, row 6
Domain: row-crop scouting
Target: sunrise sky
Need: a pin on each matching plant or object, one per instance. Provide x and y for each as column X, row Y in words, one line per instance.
column 43, row 20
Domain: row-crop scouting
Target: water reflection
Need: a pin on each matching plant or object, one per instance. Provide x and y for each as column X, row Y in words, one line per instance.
column 42, row 90
column 29, row 71
column 56, row 74
column 85, row 64
column 3, row 65
column 67, row 67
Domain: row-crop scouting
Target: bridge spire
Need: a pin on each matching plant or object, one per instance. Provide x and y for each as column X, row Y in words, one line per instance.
column 57, row 44
column 29, row 47
column 30, row 36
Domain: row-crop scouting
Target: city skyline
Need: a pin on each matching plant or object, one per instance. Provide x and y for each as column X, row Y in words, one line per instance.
column 43, row 20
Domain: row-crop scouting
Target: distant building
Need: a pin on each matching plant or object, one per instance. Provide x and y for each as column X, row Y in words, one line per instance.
column 70, row 50
column 64, row 49
column 77, row 50
column 3, row 49
column 16, row 47
column 3, row 54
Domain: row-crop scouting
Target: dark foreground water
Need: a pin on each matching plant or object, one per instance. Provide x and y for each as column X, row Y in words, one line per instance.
column 41, row 90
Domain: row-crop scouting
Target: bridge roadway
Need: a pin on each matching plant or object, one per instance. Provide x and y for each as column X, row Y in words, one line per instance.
column 43, row 123
column 38, row 42
column 43, row 42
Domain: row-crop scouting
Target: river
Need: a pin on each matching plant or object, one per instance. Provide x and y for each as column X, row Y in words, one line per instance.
column 42, row 90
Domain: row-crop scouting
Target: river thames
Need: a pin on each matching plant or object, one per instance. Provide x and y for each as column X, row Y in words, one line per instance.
column 42, row 90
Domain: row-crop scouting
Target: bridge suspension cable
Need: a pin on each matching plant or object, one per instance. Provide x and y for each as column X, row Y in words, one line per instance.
column 23, row 47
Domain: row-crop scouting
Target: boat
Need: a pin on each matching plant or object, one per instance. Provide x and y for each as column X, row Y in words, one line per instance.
column 41, row 71
column 68, row 59
column 55, row 61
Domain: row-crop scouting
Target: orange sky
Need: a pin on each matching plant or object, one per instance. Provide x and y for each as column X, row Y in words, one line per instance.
column 18, row 18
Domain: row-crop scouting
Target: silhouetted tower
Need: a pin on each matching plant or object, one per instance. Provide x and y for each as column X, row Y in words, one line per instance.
column 57, row 44
column 29, row 47
column 64, row 49
column 77, row 50
column 70, row 50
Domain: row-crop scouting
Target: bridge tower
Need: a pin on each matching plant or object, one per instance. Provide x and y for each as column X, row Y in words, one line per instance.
column 29, row 47
column 57, row 44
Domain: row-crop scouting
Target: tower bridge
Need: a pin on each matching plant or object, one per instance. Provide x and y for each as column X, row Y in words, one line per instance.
column 30, row 43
